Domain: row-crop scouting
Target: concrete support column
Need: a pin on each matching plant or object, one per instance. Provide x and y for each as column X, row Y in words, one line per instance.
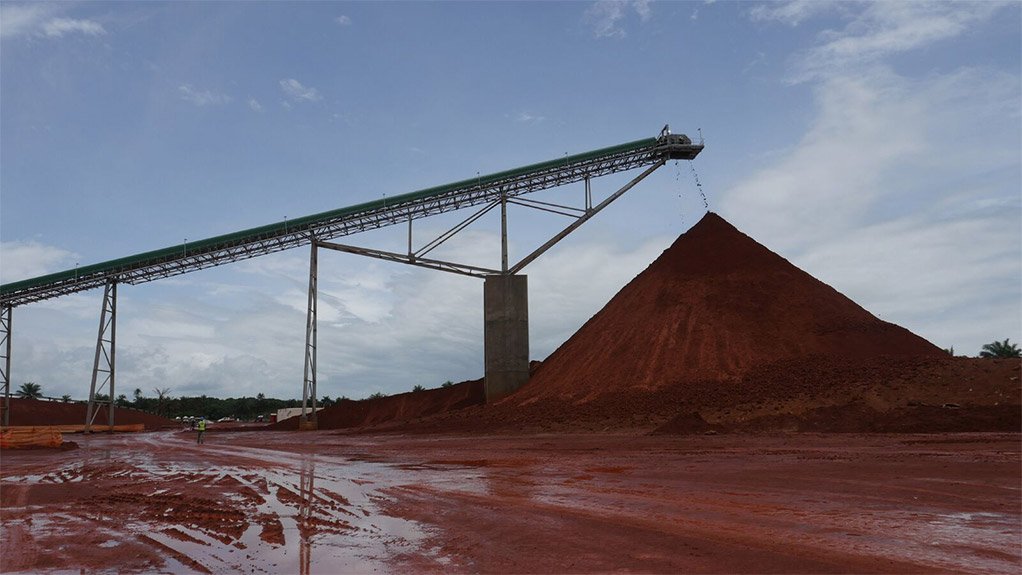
column 505, row 334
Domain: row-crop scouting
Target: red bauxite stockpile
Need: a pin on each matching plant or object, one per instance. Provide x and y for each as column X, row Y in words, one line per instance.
column 38, row 412
column 712, row 306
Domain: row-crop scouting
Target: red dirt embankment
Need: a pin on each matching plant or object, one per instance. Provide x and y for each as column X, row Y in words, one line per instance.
column 38, row 412
column 402, row 407
column 904, row 395
column 884, row 394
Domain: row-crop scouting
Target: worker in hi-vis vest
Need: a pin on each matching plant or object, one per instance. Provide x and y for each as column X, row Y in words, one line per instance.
column 202, row 430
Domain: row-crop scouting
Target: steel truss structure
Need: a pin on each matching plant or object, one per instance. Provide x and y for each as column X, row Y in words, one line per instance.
column 272, row 238
column 105, row 361
column 311, row 328
column 489, row 191
column 413, row 257
column 581, row 216
column 6, row 315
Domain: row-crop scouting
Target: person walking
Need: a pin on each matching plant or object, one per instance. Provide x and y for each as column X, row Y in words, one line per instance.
column 202, row 430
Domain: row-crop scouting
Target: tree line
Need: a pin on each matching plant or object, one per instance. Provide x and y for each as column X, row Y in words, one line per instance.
column 249, row 408
column 242, row 408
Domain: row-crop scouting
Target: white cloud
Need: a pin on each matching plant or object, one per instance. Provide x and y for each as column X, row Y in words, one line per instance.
column 874, row 31
column 880, row 139
column 24, row 260
column 955, row 281
column 202, row 98
column 903, row 193
column 641, row 8
column 343, row 20
column 60, row 26
column 20, row 19
column 294, row 90
column 605, row 16
column 528, row 118
column 38, row 19
column 792, row 12
column 255, row 105
column 863, row 130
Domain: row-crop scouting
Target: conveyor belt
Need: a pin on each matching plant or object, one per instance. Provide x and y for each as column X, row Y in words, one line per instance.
column 293, row 233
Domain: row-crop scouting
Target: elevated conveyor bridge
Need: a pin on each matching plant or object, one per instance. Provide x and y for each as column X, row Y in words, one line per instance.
column 316, row 230
column 192, row 256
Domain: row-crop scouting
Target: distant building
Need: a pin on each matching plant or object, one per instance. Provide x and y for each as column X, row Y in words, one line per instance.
column 288, row 412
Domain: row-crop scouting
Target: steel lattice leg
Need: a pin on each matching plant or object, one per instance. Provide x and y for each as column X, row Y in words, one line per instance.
column 105, row 361
column 6, row 314
column 309, row 382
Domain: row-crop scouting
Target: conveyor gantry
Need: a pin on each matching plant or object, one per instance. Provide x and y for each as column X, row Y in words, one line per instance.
column 505, row 300
column 291, row 233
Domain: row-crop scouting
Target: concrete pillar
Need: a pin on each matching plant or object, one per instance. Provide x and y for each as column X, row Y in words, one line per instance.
column 505, row 334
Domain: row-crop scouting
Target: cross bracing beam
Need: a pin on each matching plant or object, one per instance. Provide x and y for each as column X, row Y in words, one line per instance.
column 193, row 256
column 569, row 211
column 411, row 259
column 583, row 219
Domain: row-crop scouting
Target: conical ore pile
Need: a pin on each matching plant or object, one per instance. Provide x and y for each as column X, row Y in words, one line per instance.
column 713, row 306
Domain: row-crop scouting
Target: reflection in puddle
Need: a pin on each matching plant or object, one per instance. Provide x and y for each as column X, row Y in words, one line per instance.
column 321, row 522
column 306, row 486
column 283, row 513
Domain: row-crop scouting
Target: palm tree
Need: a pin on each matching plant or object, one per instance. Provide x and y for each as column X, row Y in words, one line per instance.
column 65, row 398
column 161, row 399
column 30, row 390
column 1001, row 349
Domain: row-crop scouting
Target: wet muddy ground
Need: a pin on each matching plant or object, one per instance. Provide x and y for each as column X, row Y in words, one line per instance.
column 324, row 502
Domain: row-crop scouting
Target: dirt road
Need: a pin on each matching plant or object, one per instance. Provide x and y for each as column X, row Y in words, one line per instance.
column 269, row 502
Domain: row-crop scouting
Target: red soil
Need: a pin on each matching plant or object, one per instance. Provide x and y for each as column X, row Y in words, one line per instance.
column 37, row 412
column 402, row 407
column 713, row 306
column 568, row 503
column 903, row 395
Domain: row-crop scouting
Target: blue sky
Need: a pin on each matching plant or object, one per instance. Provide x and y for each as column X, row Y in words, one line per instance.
column 875, row 145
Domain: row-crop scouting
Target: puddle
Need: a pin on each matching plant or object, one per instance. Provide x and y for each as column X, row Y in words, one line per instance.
column 160, row 503
column 283, row 513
